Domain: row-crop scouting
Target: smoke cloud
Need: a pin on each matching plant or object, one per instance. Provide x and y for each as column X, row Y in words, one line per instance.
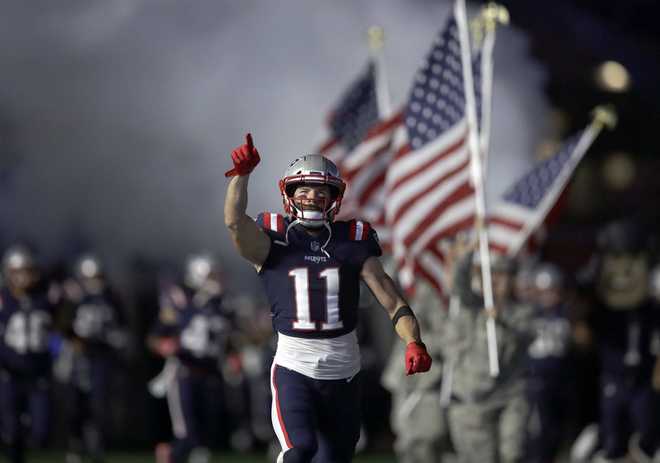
column 124, row 112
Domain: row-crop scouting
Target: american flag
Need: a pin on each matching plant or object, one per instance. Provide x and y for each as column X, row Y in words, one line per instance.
column 526, row 204
column 430, row 195
column 364, row 169
column 352, row 117
column 361, row 145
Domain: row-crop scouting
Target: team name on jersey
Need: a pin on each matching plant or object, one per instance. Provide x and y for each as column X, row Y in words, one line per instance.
column 316, row 259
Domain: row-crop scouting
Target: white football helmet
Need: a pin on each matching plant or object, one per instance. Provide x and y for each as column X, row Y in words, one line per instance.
column 17, row 257
column 312, row 169
column 88, row 266
column 198, row 269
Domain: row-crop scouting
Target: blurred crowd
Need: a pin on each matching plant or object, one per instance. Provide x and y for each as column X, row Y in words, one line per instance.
column 578, row 353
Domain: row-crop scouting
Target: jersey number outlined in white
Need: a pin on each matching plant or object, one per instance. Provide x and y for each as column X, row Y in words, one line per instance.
column 303, row 314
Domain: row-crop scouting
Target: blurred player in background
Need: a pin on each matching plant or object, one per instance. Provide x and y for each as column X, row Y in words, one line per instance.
column 94, row 328
column 26, row 323
column 257, row 348
column 311, row 268
column 624, row 320
column 193, row 333
column 551, row 371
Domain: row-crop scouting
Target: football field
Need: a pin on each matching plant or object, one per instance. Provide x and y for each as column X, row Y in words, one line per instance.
column 146, row 457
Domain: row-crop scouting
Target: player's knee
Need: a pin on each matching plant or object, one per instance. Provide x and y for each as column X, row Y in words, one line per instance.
column 299, row 455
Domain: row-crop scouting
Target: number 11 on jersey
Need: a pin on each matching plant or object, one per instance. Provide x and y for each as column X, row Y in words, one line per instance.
column 303, row 313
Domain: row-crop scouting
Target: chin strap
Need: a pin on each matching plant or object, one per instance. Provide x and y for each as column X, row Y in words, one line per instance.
column 286, row 233
column 329, row 228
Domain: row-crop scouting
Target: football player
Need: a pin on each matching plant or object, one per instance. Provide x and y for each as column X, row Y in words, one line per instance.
column 311, row 266
column 625, row 319
column 95, row 330
column 193, row 333
column 26, row 322
column 551, row 368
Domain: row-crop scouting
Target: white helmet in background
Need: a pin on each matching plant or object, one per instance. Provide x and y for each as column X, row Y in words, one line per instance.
column 198, row 269
column 88, row 266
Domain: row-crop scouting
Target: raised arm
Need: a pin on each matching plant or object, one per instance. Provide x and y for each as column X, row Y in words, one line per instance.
column 250, row 241
column 402, row 316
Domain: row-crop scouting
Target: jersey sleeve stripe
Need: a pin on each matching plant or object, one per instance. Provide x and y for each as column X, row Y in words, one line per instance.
column 280, row 224
column 266, row 218
column 359, row 230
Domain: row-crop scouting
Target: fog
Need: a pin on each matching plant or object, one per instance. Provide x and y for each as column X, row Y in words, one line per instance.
column 124, row 112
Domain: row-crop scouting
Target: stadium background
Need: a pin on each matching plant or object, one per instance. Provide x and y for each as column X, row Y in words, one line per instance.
column 116, row 119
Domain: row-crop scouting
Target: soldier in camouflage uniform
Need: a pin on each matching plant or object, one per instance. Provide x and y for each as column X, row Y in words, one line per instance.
column 417, row 420
column 488, row 415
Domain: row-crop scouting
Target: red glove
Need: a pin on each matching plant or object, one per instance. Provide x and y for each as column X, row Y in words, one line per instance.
column 417, row 359
column 167, row 346
column 245, row 158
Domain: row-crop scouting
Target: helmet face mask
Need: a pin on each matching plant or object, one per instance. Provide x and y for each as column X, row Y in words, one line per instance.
column 312, row 170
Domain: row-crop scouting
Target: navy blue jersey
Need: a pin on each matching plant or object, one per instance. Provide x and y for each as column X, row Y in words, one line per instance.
column 200, row 323
column 25, row 327
column 97, row 322
column 314, row 294
column 549, row 352
column 625, row 341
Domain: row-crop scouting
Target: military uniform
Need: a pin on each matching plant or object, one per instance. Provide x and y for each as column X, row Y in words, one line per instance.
column 417, row 420
column 488, row 415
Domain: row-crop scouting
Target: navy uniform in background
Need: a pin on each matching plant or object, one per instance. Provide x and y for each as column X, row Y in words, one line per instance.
column 193, row 333
column 94, row 330
column 551, row 368
column 26, row 323
column 624, row 322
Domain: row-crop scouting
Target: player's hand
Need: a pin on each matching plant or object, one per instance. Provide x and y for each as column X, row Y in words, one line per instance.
column 245, row 158
column 418, row 359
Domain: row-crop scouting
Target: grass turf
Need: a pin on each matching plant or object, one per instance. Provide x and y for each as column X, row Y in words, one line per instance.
column 145, row 457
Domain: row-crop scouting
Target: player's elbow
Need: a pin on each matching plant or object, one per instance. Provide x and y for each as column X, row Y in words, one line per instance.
column 232, row 224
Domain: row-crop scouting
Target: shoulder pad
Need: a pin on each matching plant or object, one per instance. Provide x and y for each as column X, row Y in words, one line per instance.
column 358, row 230
column 270, row 221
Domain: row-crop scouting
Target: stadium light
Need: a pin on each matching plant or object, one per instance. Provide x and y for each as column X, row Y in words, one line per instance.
column 612, row 76
column 619, row 170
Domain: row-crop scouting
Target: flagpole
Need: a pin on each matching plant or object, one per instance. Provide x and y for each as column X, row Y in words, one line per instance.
column 602, row 116
column 484, row 31
column 477, row 177
column 447, row 384
column 376, row 45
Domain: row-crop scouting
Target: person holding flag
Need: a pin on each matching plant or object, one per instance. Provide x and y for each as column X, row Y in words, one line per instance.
column 487, row 414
